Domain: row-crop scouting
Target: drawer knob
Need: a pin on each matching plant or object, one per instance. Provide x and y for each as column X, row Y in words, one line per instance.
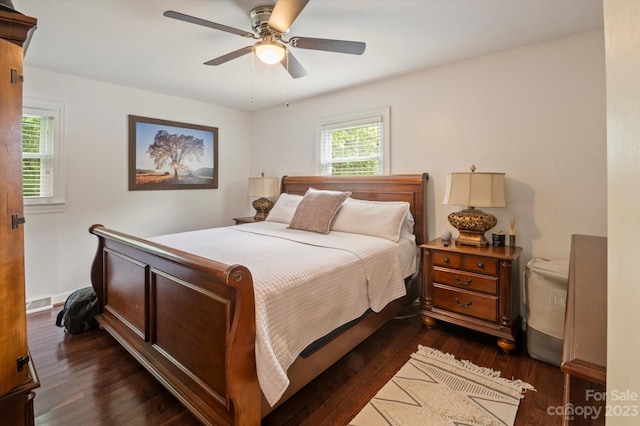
column 446, row 260
column 480, row 265
column 462, row 305
column 457, row 278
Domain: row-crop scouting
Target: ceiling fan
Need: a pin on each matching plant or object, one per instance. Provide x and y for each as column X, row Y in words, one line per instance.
column 270, row 24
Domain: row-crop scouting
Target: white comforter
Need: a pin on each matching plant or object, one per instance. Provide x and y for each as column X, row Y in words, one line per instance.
column 305, row 284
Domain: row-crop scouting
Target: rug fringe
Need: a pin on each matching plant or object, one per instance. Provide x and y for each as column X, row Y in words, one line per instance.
column 521, row 385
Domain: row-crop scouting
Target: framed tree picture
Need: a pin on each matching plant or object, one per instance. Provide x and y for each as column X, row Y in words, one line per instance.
column 166, row 154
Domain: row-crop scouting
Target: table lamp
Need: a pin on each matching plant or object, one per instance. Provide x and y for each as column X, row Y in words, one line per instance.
column 263, row 187
column 474, row 190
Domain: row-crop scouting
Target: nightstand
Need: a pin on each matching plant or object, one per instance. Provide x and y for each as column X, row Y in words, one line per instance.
column 473, row 287
column 246, row 219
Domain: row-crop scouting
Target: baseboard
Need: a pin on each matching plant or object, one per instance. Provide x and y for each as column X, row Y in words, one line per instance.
column 45, row 303
column 60, row 298
column 39, row 305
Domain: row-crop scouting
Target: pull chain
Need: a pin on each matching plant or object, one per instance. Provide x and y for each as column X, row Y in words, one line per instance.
column 286, row 102
column 252, row 58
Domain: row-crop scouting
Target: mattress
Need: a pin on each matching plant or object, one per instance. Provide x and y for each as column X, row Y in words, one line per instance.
column 305, row 284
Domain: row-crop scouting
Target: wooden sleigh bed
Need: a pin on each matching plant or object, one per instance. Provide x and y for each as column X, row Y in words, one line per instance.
column 191, row 321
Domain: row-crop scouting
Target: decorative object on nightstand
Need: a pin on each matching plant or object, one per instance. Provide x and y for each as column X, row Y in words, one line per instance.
column 512, row 233
column 474, row 190
column 473, row 287
column 263, row 187
column 446, row 237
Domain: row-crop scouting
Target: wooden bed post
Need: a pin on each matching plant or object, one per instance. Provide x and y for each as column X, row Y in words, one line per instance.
column 244, row 389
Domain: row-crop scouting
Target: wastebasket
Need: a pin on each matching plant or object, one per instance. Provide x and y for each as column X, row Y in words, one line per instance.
column 545, row 303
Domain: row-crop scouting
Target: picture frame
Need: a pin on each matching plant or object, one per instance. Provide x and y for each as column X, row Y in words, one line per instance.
column 156, row 163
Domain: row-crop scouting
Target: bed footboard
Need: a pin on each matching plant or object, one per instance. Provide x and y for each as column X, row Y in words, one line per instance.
column 188, row 320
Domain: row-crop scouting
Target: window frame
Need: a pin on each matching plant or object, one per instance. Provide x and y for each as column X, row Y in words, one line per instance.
column 57, row 202
column 350, row 120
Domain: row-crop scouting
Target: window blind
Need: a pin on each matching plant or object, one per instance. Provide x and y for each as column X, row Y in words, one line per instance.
column 352, row 147
column 37, row 156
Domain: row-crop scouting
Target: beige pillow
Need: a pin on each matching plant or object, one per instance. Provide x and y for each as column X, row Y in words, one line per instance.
column 284, row 208
column 375, row 218
column 317, row 209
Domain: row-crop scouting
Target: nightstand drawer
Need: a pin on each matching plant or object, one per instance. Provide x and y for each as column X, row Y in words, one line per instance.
column 446, row 259
column 466, row 303
column 459, row 279
column 483, row 265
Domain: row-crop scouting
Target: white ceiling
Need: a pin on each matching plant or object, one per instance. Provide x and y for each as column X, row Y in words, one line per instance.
column 130, row 42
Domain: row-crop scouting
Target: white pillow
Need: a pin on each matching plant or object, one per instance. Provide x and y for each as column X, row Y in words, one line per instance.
column 284, row 208
column 406, row 231
column 375, row 218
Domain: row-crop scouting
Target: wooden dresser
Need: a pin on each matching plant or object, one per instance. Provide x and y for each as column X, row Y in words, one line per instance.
column 474, row 287
column 584, row 351
column 17, row 375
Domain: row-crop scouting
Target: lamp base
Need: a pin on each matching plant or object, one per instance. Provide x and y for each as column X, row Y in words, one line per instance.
column 263, row 206
column 472, row 225
column 472, row 239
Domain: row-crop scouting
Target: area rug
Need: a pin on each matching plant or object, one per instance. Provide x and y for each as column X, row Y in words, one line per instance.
column 434, row 388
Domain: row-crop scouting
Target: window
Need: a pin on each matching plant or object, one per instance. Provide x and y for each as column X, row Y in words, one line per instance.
column 357, row 144
column 42, row 159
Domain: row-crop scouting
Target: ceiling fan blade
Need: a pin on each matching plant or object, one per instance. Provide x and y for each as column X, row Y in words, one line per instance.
column 293, row 67
column 339, row 46
column 229, row 56
column 284, row 13
column 198, row 21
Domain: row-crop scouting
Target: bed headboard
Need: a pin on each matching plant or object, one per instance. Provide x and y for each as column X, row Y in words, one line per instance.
column 411, row 188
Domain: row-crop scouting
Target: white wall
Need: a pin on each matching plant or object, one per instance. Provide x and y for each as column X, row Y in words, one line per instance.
column 58, row 247
column 623, row 139
column 536, row 113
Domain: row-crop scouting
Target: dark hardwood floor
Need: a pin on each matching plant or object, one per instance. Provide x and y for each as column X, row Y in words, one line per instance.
column 88, row 379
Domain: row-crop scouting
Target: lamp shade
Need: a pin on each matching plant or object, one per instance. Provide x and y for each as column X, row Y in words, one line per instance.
column 263, row 187
column 475, row 190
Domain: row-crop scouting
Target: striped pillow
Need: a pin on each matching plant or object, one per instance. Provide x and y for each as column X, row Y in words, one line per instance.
column 375, row 218
column 284, row 208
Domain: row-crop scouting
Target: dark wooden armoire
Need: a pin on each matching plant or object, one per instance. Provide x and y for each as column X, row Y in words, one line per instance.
column 18, row 378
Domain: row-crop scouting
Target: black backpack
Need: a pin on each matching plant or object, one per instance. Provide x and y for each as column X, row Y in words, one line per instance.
column 79, row 311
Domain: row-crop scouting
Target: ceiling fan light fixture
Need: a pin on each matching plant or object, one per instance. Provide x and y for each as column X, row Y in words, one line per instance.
column 270, row 23
column 270, row 52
